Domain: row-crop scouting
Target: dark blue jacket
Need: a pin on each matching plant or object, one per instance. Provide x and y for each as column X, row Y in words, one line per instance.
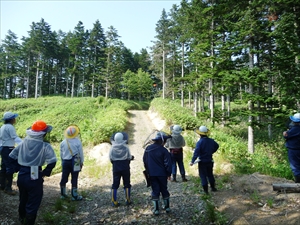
column 205, row 148
column 293, row 138
column 157, row 161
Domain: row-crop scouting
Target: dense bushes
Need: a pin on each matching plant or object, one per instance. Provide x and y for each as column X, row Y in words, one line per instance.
column 97, row 118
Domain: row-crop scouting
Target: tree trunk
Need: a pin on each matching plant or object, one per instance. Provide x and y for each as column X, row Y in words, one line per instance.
column 107, row 75
column 223, row 107
column 250, row 104
column 211, row 83
column 27, row 83
column 228, row 105
column 37, row 77
column 195, row 103
column 190, row 96
column 163, row 78
column 182, row 75
column 42, row 77
column 73, row 79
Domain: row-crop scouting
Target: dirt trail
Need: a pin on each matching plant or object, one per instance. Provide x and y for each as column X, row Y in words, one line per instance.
column 246, row 199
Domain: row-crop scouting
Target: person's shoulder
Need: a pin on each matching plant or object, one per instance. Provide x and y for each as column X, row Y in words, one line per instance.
column 47, row 145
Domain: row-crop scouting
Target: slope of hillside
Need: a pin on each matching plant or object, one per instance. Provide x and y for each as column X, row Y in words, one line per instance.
column 246, row 199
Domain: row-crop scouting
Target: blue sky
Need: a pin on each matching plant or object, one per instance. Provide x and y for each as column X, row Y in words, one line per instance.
column 134, row 20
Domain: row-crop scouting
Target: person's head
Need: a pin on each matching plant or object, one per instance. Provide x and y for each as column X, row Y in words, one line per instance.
column 161, row 138
column 295, row 118
column 72, row 132
column 40, row 129
column 203, row 131
column 119, row 138
column 9, row 117
column 176, row 129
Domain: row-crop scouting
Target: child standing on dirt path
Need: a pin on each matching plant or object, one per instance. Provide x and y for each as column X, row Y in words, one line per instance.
column 28, row 159
column 70, row 150
column 205, row 148
column 8, row 138
column 158, row 164
column 175, row 145
column 120, row 158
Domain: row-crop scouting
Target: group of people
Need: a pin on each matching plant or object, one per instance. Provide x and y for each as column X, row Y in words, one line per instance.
column 160, row 163
column 26, row 157
column 160, row 159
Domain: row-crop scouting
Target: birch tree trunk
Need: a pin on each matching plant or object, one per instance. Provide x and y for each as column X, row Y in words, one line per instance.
column 163, row 78
column 211, row 94
column 195, row 103
column 27, row 84
column 250, row 104
column 37, row 76
column 223, row 107
column 107, row 75
column 228, row 105
column 73, row 78
column 182, row 75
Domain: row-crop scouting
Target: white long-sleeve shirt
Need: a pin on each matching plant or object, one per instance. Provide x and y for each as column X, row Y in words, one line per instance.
column 8, row 136
column 76, row 147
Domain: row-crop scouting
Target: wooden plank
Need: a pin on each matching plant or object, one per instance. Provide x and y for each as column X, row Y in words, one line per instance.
column 287, row 187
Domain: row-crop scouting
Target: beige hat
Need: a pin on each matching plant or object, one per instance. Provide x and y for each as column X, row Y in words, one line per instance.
column 71, row 131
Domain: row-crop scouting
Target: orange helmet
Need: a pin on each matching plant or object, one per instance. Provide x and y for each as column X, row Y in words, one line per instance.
column 40, row 125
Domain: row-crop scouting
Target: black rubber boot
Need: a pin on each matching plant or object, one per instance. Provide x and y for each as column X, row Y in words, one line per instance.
column 205, row 188
column 22, row 219
column 8, row 188
column 29, row 219
column 63, row 192
column 155, row 207
column 297, row 179
column 213, row 188
column 2, row 181
column 22, row 216
column 167, row 205
column 173, row 178
column 184, row 178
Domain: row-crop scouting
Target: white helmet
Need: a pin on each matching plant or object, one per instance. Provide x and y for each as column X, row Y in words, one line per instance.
column 295, row 118
column 176, row 129
column 203, row 129
column 119, row 137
